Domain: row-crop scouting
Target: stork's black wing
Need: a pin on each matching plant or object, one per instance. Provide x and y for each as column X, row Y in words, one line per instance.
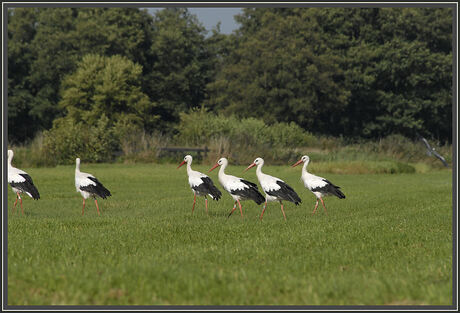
column 251, row 192
column 208, row 187
column 97, row 189
column 285, row 193
column 27, row 186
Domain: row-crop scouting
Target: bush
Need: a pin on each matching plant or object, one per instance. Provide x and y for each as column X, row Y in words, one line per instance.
column 68, row 140
column 240, row 139
column 31, row 154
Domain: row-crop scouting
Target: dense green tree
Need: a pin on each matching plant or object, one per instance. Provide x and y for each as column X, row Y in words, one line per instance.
column 342, row 71
column 109, row 86
column 281, row 71
column 182, row 63
column 21, row 31
column 337, row 71
column 53, row 40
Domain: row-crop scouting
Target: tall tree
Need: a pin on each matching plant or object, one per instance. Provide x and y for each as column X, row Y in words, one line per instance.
column 56, row 41
column 342, row 71
column 22, row 27
column 281, row 71
column 181, row 63
column 109, row 86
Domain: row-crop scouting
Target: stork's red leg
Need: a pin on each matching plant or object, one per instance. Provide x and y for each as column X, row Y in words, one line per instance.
column 316, row 206
column 95, row 200
column 20, row 201
column 83, row 209
column 282, row 210
column 323, row 205
column 234, row 208
column 194, row 201
column 263, row 210
column 15, row 202
column 241, row 209
column 206, row 204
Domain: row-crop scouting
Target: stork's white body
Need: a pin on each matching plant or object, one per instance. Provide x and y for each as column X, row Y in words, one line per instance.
column 231, row 183
column 319, row 186
column 200, row 184
column 89, row 186
column 313, row 182
column 238, row 188
column 81, row 179
column 268, row 183
column 15, row 177
column 195, row 180
column 20, row 182
column 275, row 189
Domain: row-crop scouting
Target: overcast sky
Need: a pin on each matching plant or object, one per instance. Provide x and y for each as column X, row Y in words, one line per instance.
column 211, row 16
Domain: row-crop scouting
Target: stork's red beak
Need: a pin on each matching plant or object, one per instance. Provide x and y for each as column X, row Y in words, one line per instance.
column 298, row 162
column 183, row 162
column 252, row 165
column 217, row 164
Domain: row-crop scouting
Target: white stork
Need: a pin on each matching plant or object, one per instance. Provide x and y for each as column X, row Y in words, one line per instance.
column 275, row 189
column 89, row 186
column 200, row 183
column 20, row 182
column 238, row 188
column 319, row 186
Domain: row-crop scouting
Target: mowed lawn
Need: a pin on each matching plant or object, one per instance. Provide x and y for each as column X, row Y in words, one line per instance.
column 388, row 243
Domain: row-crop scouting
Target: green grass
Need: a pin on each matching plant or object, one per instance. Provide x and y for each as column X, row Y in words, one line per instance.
column 388, row 242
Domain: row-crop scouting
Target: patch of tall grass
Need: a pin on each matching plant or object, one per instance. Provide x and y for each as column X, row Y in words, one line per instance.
column 240, row 140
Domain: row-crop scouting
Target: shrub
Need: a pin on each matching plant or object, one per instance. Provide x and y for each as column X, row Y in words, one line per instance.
column 67, row 140
column 240, row 139
column 31, row 154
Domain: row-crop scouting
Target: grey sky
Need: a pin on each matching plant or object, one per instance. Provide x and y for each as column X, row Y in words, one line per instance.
column 211, row 16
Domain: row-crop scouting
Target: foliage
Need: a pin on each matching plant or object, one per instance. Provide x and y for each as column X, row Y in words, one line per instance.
column 341, row 72
column 182, row 63
column 110, row 86
column 21, row 101
column 68, row 140
column 354, row 72
column 245, row 137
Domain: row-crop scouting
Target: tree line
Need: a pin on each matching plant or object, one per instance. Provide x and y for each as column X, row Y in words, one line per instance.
column 351, row 72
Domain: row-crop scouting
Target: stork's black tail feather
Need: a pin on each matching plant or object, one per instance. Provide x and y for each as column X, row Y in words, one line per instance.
column 285, row 193
column 257, row 196
column 27, row 186
column 338, row 193
column 211, row 188
column 99, row 189
column 34, row 192
column 253, row 192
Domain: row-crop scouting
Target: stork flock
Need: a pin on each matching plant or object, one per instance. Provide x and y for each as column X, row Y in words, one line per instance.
column 240, row 189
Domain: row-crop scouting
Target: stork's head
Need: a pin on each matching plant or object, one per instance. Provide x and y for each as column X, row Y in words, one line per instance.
column 258, row 161
column 187, row 159
column 222, row 161
column 305, row 159
column 77, row 164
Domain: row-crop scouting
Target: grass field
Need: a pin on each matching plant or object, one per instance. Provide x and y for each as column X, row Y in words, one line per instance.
column 389, row 242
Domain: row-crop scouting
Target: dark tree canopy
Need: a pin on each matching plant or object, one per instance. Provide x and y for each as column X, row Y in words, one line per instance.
column 342, row 71
column 352, row 72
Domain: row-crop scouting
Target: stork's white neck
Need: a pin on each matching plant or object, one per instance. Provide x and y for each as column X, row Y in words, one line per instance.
column 10, row 158
column 189, row 168
column 304, row 168
column 222, row 169
column 259, row 169
column 77, row 166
